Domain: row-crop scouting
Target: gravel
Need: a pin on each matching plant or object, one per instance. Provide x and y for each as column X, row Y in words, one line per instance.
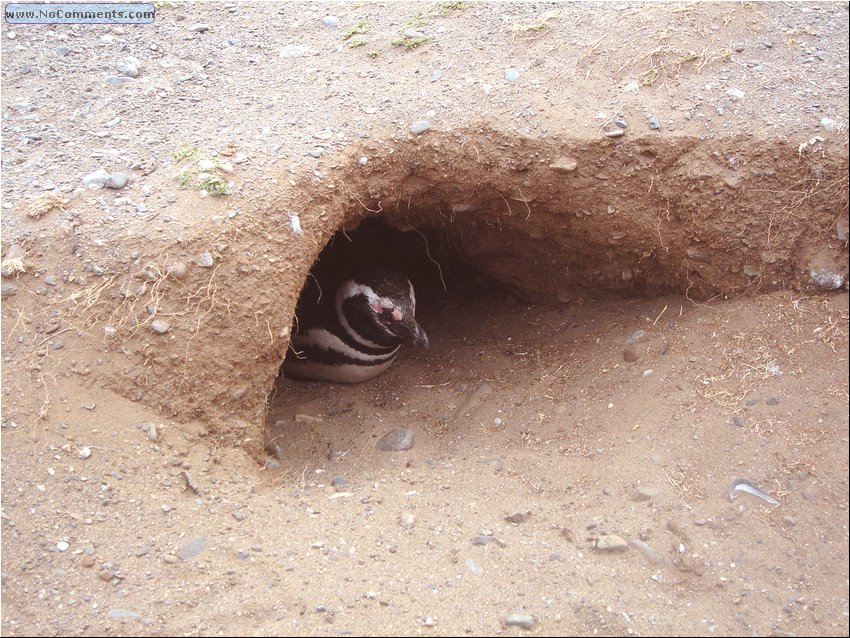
column 395, row 440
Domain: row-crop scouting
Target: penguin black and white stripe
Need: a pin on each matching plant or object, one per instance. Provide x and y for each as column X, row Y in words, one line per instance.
column 356, row 335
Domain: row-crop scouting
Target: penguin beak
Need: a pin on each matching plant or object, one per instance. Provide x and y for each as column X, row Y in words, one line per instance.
column 417, row 334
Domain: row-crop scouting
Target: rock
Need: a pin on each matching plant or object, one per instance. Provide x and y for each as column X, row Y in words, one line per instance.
column 525, row 621
column 118, row 79
column 644, row 493
column 419, row 127
column 117, row 180
column 340, row 483
column 611, row 543
column 105, row 574
column 295, row 51
column 735, row 93
column 407, row 520
column 395, row 440
column 630, row 354
column 564, row 165
column 621, row 123
column 116, row 613
column 828, row 124
column 87, row 561
column 511, row 75
column 483, row 539
column 84, row 453
column 170, row 559
column 97, row 179
column 205, row 260
column 160, row 326
column 518, row 517
column 827, row 279
column 178, row 270
column 654, row 123
column 436, row 74
column 472, row 566
column 62, row 51
column 738, row 420
column 316, row 152
column 772, row 400
column 632, row 87
column 129, row 67
column 62, row 546
column 330, row 21
column 192, row 548
column 200, row 27
column 617, row 132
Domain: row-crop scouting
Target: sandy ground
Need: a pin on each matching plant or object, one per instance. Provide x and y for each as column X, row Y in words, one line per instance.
column 572, row 462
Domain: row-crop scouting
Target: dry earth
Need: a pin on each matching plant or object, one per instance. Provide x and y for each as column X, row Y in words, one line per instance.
column 628, row 324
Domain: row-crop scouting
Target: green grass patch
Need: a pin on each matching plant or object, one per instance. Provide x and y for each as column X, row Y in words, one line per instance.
column 361, row 27
column 412, row 43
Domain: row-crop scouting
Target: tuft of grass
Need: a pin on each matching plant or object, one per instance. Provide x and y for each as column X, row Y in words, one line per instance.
column 417, row 21
column 361, row 27
column 215, row 185
column 187, row 152
column 373, row 54
column 412, row 43
column 445, row 8
column 357, row 42
column 650, row 76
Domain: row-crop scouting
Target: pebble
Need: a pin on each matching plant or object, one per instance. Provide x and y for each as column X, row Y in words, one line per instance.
column 117, row 180
column 178, row 270
column 827, row 279
column 511, row 75
column 11, row 35
column 617, row 132
column 50, row 280
column 84, row 453
column 828, row 124
column 632, row 87
column 192, row 548
column 472, row 566
column 654, row 123
column 621, row 123
column 87, row 561
column 116, row 613
column 105, row 575
column 518, row 517
column 171, row 559
column 200, row 27
column 339, row 482
column 564, row 165
column 316, row 152
column 118, row 79
column 271, row 463
column 330, row 21
column 129, row 67
column 772, row 400
column 141, row 551
column 395, row 440
column 205, row 260
column 483, row 539
column 97, row 179
column 630, row 354
column 736, row 93
column 407, row 520
column 738, row 420
column 295, row 51
column 115, row 121
column 62, row 51
column 611, row 543
column 645, row 493
column 419, row 127
column 62, row 546
column 436, row 74
column 160, row 326
column 525, row 621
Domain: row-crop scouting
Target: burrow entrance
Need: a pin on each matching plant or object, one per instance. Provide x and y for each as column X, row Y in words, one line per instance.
column 554, row 223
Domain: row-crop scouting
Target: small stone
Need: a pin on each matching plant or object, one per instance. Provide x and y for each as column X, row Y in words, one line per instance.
column 84, row 453
column 617, row 132
column 178, row 270
column 171, row 559
column 654, row 123
column 564, row 165
column 97, row 179
column 129, row 67
column 50, row 280
column 644, row 493
column 810, row 494
column 105, row 574
column 632, row 87
column 511, row 75
column 160, row 326
column 630, row 354
column 611, row 543
column 483, row 539
column 827, row 279
column 117, row 180
column 395, row 440
column 87, row 561
column 518, row 517
column 200, row 27
column 117, row 614
column 205, row 260
column 340, row 483
column 828, row 124
column 295, row 51
column 316, row 152
column 407, row 520
column 363, row 160
column 621, row 123
column 271, row 463
column 141, row 551
column 192, row 548
column 735, row 93
column 472, row 566
column 62, row 546
column 525, row 621
column 62, row 51
column 330, row 21
column 419, row 127
column 11, row 35
column 118, row 79
column 436, row 74
column 772, row 400
column 738, row 420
